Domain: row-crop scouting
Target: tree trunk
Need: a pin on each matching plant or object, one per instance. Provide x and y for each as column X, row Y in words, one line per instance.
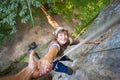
column 51, row 20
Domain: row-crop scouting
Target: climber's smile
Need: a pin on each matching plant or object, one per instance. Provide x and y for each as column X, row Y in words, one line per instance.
column 62, row 37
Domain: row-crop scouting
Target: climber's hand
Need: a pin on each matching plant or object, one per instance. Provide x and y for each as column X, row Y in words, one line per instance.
column 44, row 66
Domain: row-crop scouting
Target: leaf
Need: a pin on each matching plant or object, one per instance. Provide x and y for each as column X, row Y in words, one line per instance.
column 23, row 11
column 25, row 19
column 36, row 3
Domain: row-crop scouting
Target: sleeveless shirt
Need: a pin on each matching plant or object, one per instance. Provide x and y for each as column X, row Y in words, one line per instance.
column 61, row 48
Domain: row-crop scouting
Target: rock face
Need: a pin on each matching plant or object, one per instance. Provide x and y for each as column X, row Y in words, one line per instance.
column 102, row 61
column 95, row 62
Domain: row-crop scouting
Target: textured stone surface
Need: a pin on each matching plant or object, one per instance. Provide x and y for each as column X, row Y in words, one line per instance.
column 91, row 62
column 102, row 61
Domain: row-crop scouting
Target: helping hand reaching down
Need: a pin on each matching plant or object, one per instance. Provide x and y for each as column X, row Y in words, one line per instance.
column 34, row 69
column 40, row 68
column 44, row 66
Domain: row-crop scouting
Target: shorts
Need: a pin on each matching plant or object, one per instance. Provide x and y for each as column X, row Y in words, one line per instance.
column 60, row 67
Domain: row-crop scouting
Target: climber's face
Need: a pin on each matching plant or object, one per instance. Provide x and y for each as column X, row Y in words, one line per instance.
column 62, row 37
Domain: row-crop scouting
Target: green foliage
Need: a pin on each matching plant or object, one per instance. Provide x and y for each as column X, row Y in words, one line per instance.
column 84, row 10
column 11, row 10
column 7, row 22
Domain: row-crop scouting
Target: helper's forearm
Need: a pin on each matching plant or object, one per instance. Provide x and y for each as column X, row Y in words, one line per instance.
column 25, row 74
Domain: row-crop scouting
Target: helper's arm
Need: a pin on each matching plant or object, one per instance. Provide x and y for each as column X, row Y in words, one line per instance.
column 31, row 71
column 25, row 74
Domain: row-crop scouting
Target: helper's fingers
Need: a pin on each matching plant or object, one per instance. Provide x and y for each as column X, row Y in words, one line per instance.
column 31, row 56
column 32, row 62
column 39, row 64
column 44, row 67
column 47, row 67
column 40, row 67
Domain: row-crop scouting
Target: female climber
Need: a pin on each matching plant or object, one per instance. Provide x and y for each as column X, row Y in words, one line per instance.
column 55, row 50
